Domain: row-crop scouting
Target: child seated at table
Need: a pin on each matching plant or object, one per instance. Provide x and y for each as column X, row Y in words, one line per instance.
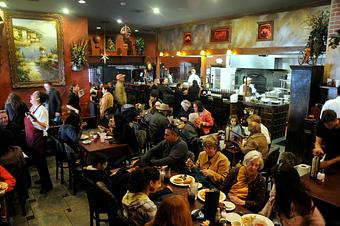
column 234, row 124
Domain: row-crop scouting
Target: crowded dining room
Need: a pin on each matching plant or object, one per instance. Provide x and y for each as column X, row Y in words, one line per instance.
column 169, row 113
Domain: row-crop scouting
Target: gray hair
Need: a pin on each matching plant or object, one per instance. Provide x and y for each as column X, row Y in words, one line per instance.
column 252, row 155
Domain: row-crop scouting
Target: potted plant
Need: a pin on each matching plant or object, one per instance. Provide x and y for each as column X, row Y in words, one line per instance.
column 78, row 54
column 317, row 39
column 140, row 46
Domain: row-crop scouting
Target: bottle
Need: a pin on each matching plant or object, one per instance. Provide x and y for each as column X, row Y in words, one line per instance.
column 315, row 167
column 218, row 215
column 227, row 131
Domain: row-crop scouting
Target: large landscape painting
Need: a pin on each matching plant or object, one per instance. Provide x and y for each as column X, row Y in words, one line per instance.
column 36, row 49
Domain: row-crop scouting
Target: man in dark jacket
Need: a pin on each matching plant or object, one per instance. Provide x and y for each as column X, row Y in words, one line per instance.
column 54, row 104
column 172, row 151
column 190, row 134
column 158, row 122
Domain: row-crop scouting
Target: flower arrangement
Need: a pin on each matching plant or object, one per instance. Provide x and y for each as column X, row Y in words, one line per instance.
column 140, row 45
column 78, row 54
column 334, row 40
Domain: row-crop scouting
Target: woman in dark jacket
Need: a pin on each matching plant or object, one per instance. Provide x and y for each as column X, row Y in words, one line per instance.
column 245, row 186
column 194, row 91
column 16, row 110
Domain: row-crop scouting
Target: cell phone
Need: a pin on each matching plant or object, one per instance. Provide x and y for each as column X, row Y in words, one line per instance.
column 30, row 114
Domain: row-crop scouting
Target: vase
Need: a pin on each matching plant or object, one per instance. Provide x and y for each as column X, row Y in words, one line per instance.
column 76, row 67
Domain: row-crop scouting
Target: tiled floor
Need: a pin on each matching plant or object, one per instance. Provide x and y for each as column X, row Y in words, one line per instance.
column 56, row 208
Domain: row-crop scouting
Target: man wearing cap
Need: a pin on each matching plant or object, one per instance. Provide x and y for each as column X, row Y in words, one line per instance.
column 158, row 122
column 172, row 151
column 247, row 89
column 120, row 94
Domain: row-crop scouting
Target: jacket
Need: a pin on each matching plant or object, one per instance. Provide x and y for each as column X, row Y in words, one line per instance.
column 138, row 208
column 120, row 94
column 217, row 165
column 54, row 103
column 257, row 142
column 207, row 120
column 6, row 177
column 256, row 190
column 157, row 125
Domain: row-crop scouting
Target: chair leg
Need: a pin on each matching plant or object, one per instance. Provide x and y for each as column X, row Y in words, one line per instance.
column 62, row 173
column 56, row 168
column 70, row 178
column 91, row 217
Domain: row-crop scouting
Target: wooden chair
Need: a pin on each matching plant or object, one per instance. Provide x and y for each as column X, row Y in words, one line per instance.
column 60, row 159
column 74, row 167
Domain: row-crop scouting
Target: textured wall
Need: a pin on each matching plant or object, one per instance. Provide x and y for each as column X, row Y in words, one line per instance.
column 289, row 31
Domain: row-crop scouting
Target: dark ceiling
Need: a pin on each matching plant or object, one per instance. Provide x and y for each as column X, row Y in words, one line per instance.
column 138, row 13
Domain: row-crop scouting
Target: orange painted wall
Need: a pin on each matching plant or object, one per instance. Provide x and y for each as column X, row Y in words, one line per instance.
column 74, row 29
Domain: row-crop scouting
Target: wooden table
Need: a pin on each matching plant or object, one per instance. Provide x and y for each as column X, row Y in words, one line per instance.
column 328, row 191
column 110, row 150
column 199, row 204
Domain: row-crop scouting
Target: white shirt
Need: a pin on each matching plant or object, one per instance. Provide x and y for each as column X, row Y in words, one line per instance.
column 42, row 115
column 252, row 87
column 193, row 77
column 333, row 104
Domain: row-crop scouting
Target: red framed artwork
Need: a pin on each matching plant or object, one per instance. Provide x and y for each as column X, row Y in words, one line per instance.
column 187, row 38
column 221, row 34
column 265, row 31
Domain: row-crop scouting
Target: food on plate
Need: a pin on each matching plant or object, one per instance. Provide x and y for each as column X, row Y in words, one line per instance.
column 252, row 221
column 84, row 137
column 202, row 192
column 183, row 179
column 178, row 180
column 205, row 223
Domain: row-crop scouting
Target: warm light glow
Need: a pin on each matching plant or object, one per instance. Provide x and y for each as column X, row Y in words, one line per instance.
column 136, row 30
column 219, row 61
column 119, row 21
column 178, row 53
column 161, row 54
column 203, row 53
column 156, row 10
column 66, row 11
column 3, row 5
column 82, row 1
column 229, row 52
column 98, row 27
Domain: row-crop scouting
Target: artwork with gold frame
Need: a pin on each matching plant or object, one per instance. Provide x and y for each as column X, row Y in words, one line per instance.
column 35, row 48
column 221, row 34
column 265, row 31
column 187, row 38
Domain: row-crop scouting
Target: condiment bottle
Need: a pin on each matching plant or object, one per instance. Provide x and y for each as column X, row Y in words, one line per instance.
column 315, row 167
column 218, row 215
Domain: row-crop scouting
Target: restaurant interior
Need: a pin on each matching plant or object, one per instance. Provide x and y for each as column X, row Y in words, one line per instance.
column 261, row 58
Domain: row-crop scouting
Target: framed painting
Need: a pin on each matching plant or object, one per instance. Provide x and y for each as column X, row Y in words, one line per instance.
column 110, row 43
column 265, row 31
column 221, row 34
column 35, row 49
column 187, row 38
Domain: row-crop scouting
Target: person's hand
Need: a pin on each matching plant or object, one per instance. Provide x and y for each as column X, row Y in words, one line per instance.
column 57, row 114
column 318, row 151
column 189, row 163
column 170, row 188
column 237, row 200
column 76, row 111
column 83, row 125
column 205, row 172
column 324, row 164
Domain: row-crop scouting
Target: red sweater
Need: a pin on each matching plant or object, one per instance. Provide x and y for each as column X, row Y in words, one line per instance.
column 6, row 177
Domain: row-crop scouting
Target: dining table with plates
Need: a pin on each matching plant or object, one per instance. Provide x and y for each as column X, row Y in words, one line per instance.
column 230, row 212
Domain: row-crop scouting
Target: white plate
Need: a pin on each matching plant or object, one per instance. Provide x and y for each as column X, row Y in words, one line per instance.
column 86, row 142
column 176, row 180
column 201, row 195
column 250, row 219
column 232, row 217
column 84, row 137
column 108, row 137
column 229, row 206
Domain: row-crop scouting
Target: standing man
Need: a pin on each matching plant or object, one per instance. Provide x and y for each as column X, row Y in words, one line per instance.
column 333, row 104
column 247, row 89
column 54, row 103
column 328, row 133
column 106, row 101
column 120, row 93
column 193, row 77
column 172, row 151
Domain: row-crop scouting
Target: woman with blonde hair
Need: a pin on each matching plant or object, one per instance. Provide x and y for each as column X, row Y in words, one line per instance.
column 173, row 211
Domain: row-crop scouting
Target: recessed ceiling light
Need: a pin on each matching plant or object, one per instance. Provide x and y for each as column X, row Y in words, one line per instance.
column 119, row 21
column 82, row 1
column 3, row 5
column 136, row 30
column 155, row 10
column 122, row 3
column 98, row 27
column 66, row 11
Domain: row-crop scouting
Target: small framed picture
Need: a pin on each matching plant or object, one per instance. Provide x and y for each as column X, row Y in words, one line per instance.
column 221, row 34
column 81, row 93
column 265, row 31
column 187, row 38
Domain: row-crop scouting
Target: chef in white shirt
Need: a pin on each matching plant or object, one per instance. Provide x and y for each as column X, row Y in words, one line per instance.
column 193, row 76
column 247, row 83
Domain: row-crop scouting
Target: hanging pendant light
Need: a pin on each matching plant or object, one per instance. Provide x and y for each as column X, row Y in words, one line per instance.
column 125, row 31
